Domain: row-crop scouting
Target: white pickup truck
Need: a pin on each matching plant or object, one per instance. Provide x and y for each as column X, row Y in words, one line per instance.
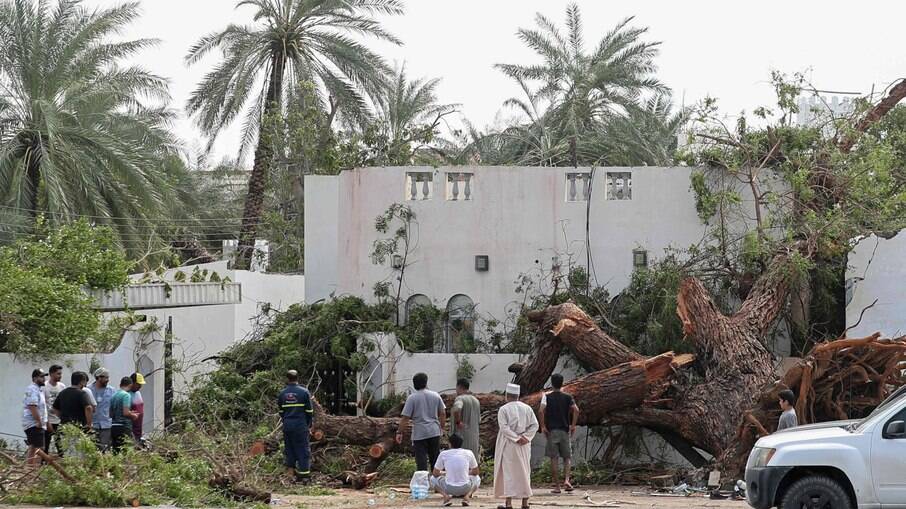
column 834, row 465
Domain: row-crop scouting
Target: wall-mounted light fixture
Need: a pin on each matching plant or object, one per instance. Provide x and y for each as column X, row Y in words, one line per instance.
column 482, row 263
column 639, row 258
column 397, row 261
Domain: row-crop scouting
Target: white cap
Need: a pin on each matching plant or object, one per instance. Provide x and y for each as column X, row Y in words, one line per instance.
column 512, row 389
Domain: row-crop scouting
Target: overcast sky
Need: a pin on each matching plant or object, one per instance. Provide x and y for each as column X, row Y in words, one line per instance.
column 722, row 49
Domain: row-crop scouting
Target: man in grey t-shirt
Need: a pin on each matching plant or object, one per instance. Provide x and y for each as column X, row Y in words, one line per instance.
column 466, row 416
column 426, row 411
column 788, row 417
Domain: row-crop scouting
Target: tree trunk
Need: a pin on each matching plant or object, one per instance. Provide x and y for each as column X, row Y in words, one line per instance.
column 594, row 348
column 532, row 375
column 254, row 201
column 627, row 385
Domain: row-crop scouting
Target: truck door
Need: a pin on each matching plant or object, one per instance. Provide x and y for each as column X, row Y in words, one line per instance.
column 888, row 463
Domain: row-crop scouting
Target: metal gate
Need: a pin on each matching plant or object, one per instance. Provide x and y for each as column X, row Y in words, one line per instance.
column 337, row 390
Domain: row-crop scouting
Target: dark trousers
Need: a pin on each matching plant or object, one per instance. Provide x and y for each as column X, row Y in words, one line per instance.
column 296, row 450
column 426, row 450
column 119, row 435
column 54, row 438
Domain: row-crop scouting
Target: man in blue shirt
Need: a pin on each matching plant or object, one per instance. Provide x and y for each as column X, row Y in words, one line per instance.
column 121, row 416
column 297, row 413
column 101, row 421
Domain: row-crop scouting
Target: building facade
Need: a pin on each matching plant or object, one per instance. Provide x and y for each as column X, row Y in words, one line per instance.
column 480, row 233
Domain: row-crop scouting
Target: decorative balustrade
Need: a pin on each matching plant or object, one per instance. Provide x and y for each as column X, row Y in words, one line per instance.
column 578, row 186
column 459, row 186
column 419, row 185
column 619, row 185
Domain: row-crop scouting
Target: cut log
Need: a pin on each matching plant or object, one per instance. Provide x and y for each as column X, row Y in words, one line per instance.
column 378, row 452
column 230, row 482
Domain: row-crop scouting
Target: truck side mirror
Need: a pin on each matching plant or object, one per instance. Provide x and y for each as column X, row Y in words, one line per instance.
column 895, row 429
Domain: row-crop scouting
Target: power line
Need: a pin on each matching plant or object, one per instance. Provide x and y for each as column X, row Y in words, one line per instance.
column 31, row 212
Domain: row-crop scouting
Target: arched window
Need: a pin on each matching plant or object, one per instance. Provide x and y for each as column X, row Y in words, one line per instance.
column 414, row 302
column 423, row 323
column 460, row 324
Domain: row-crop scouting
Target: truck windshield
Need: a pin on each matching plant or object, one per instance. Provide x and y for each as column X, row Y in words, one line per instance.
column 895, row 395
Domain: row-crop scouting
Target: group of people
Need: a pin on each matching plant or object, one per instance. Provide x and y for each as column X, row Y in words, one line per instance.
column 455, row 470
column 113, row 416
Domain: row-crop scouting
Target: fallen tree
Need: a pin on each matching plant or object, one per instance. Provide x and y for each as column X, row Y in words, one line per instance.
column 720, row 401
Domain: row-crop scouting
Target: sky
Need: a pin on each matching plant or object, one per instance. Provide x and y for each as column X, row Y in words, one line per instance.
column 724, row 50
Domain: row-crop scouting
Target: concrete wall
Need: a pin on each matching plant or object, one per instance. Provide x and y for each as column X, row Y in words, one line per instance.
column 877, row 271
column 15, row 376
column 322, row 260
column 519, row 217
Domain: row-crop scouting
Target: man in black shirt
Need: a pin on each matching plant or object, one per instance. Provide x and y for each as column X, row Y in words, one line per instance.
column 73, row 405
column 558, row 417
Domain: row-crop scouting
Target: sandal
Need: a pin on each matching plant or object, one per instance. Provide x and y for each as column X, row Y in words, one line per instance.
column 465, row 503
column 448, row 503
column 568, row 487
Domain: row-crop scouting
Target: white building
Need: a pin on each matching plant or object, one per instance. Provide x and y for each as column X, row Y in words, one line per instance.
column 478, row 229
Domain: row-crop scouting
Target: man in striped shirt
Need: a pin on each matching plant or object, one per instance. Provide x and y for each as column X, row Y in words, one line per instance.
column 297, row 413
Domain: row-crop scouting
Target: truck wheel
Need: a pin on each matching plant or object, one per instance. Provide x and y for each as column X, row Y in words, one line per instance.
column 816, row 492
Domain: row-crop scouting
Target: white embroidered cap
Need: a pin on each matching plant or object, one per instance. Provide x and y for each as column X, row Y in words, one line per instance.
column 512, row 389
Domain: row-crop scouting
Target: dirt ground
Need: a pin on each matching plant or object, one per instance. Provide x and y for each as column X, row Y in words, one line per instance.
column 598, row 496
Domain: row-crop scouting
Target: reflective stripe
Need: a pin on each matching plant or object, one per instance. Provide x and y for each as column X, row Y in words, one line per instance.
column 305, row 472
column 310, row 410
column 292, row 405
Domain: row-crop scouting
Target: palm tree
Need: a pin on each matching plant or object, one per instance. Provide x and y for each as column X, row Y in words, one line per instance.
column 76, row 138
column 292, row 41
column 408, row 115
column 585, row 90
column 647, row 135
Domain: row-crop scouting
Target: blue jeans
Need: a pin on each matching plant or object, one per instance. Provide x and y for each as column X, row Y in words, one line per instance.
column 296, row 450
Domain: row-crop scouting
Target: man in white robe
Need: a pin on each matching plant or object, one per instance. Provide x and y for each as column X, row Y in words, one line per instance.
column 517, row 426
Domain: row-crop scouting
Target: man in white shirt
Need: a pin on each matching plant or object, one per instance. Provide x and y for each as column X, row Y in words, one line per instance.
column 52, row 389
column 34, row 416
column 456, row 473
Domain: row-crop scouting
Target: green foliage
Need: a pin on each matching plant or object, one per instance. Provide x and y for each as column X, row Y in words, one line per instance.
column 42, row 315
column 644, row 314
column 705, row 201
column 78, row 253
column 82, row 132
column 424, row 324
column 464, row 368
column 43, row 309
column 304, row 337
column 105, row 480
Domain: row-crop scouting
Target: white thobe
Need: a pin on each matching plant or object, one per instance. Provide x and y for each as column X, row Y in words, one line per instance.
column 512, row 468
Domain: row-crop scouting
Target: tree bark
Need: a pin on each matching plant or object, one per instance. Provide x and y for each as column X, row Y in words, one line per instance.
column 254, row 200
column 593, row 348
column 532, row 375
column 627, row 385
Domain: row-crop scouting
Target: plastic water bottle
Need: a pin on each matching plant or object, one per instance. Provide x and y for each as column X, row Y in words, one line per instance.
column 371, row 502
